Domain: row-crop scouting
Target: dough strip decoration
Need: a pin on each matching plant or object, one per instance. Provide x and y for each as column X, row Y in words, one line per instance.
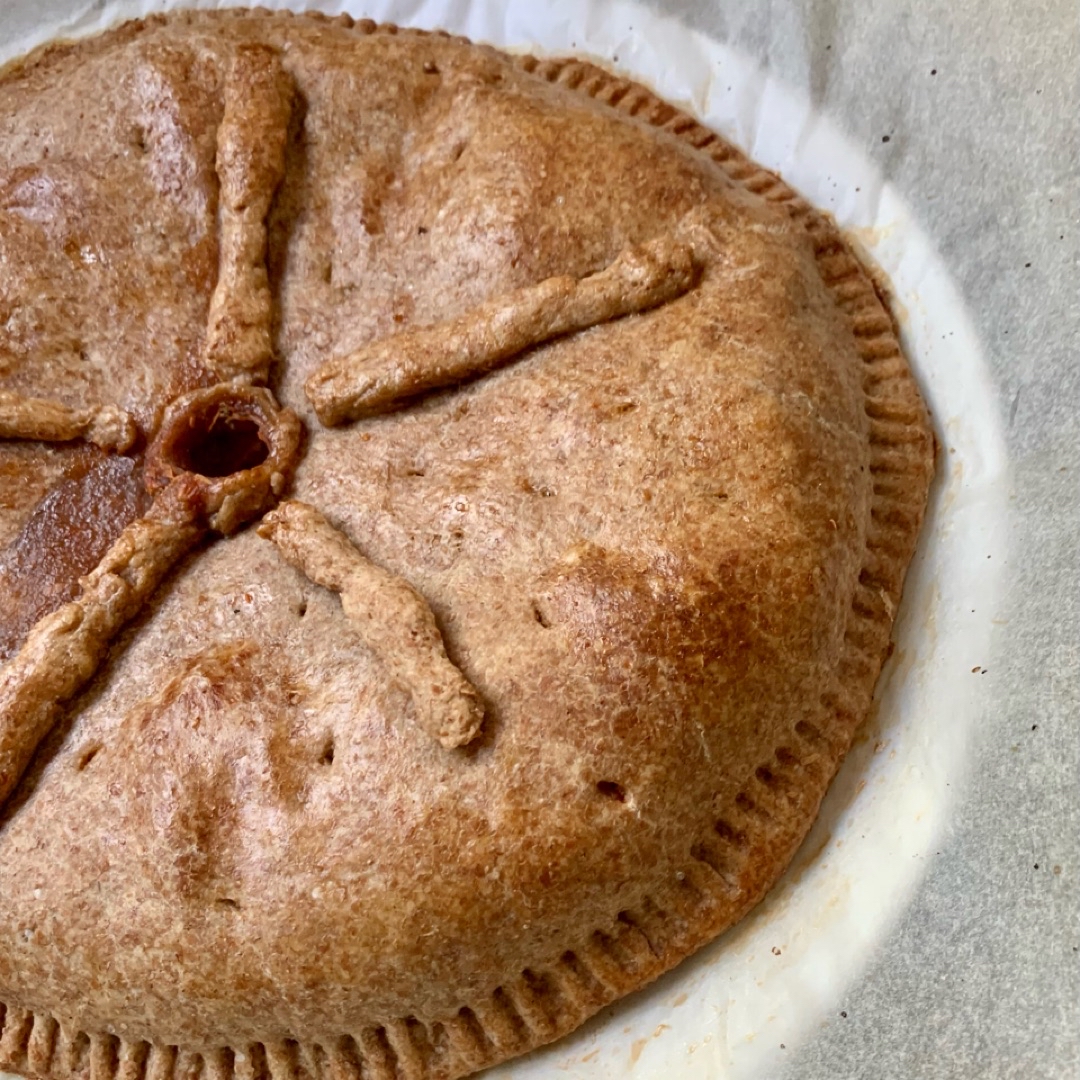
column 386, row 374
column 250, row 165
column 394, row 620
column 49, row 421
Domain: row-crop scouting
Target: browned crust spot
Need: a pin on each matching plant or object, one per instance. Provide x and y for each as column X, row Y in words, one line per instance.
column 697, row 904
column 387, row 373
column 394, row 620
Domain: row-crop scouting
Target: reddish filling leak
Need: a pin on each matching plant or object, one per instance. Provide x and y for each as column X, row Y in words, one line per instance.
column 66, row 537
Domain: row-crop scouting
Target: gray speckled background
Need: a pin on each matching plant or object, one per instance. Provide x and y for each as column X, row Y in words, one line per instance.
column 982, row 976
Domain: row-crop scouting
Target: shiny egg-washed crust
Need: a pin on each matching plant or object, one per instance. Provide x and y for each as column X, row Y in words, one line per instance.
column 673, row 588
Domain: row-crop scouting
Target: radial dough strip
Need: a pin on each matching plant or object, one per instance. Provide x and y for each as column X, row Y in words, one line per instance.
column 386, row 374
column 392, row 617
column 38, row 418
column 250, row 164
column 64, row 649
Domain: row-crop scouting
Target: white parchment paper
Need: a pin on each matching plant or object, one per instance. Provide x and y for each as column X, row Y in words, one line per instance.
column 740, row 1005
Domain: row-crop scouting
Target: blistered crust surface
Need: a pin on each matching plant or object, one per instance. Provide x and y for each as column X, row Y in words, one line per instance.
column 665, row 551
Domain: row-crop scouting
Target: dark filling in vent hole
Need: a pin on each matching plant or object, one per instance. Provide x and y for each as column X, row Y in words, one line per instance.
column 219, row 444
column 327, row 756
column 609, row 789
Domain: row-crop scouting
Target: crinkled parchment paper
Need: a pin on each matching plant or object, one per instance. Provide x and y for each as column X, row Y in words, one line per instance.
column 744, row 1005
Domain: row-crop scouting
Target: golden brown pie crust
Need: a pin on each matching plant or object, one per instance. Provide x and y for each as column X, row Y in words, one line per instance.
column 665, row 552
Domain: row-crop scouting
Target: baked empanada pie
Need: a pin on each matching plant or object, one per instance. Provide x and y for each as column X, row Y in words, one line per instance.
column 452, row 511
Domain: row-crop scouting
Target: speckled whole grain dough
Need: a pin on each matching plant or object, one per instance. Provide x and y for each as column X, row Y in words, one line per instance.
column 665, row 551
